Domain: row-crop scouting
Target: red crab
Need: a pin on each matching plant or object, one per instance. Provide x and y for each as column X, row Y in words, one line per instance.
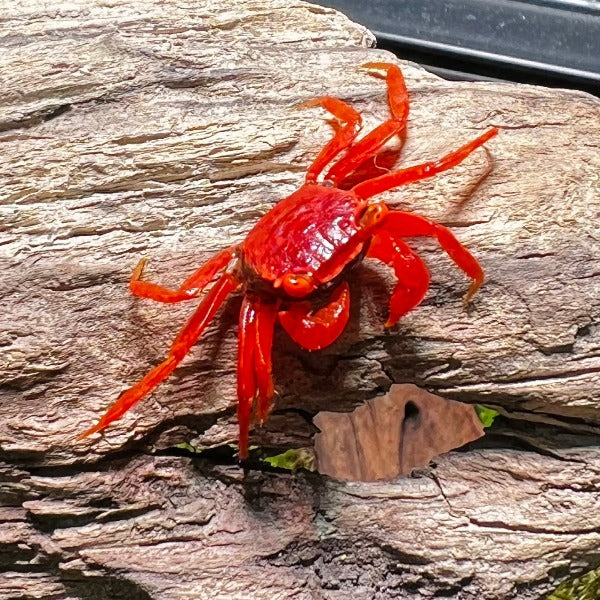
column 302, row 250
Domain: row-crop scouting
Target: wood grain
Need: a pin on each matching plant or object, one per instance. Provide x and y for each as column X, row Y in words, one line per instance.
column 166, row 129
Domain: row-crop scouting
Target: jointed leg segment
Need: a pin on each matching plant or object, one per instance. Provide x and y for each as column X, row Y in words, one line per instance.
column 351, row 124
column 255, row 340
column 375, row 186
column 403, row 224
column 346, row 132
column 246, row 377
column 311, row 329
column 411, row 273
column 180, row 347
column 369, row 145
column 265, row 326
column 190, row 288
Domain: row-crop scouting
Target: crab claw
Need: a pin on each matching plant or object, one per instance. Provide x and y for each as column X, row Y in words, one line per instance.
column 316, row 330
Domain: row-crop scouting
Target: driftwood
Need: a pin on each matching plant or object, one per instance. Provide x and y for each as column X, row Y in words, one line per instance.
column 165, row 129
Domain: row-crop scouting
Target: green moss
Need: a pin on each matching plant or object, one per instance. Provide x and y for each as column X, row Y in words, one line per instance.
column 586, row 587
column 189, row 448
column 301, row 458
column 486, row 415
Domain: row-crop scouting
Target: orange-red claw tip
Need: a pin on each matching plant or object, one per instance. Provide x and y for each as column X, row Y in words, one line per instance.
column 95, row 429
column 139, row 269
column 306, row 104
column 471, row 292
column 468, row 298
column 82, row 436
column 466, row 301
column 375, row 66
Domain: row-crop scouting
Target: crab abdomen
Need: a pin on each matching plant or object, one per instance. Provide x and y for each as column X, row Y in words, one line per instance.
column 303, row 232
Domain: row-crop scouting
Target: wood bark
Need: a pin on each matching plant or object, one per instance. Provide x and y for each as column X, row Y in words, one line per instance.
column 166, row 129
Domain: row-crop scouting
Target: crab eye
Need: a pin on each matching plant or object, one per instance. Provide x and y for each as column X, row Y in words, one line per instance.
column 373, row 215
column 298, row 286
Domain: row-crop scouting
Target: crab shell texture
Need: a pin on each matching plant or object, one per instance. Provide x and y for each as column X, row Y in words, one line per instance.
column 293, row 264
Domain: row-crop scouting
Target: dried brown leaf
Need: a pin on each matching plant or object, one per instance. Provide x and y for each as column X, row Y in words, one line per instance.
column 393, row 434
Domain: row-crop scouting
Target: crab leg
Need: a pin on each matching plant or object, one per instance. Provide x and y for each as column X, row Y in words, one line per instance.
column 345, row 133
column 181, row 345
column 190, row 288
column 255, row 340
column 375, row 140
column 246, row 376
column 394, row 179
column 265, row 324
column 411, row 273
column 315, row 330
column 402, row 224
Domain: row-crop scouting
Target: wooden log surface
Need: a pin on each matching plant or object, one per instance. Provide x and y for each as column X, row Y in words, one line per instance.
column 166, row 129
